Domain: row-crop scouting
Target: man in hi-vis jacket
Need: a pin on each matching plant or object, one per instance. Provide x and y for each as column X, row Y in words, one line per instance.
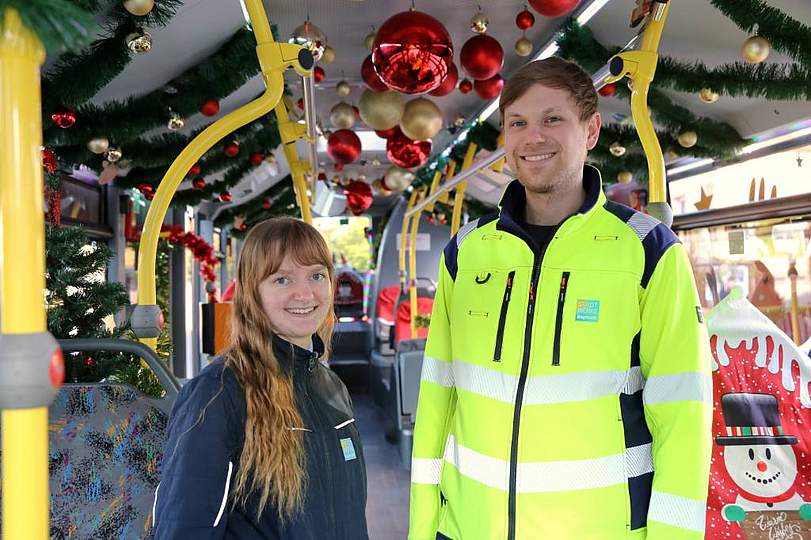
column 566, row 390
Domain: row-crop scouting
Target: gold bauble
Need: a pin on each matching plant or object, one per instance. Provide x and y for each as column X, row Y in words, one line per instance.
column 369, row 40
column 421, row 120
column 755, row 49
column 616, row 149
column 175, row 122
column 707, row 95
column 378, row 188
column 381, row 110
column 139, row 8
column 397, row 179
column 342, row 116
column 458, row 121
column 328, row 56
column 671, row 155
column 343, row 89
column 139, row 42
column 523, row 47
column 688, row 139
column 479, row 22
column 625, row 177
column 113, row 154
column 98, row 145
column 375, row 162
column 311, row 38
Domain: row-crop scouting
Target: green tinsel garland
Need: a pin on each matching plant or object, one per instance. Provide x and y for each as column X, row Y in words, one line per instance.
column 282, row 196
column 61, row 25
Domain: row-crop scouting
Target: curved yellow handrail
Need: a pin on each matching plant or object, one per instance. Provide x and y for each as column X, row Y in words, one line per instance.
column 404, row 239
column 459, row 198
column 412, row 263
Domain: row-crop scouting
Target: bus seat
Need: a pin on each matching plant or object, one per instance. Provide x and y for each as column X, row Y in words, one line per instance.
column 384, row 321
column 402, row 328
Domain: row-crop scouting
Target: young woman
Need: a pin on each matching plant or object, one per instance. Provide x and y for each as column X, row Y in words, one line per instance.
column 262, row 444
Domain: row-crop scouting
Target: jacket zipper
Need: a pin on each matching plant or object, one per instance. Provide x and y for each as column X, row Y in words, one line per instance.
column 519, row 398
column 564, row 283
column 505, row 302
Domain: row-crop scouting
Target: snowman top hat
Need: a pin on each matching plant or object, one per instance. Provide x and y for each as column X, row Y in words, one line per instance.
column 752, row 419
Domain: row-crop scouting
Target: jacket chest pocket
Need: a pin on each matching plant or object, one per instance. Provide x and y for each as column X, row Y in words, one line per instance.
column 350, row 454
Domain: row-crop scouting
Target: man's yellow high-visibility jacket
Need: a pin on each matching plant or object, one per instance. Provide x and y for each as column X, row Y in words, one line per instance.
column 566, row 389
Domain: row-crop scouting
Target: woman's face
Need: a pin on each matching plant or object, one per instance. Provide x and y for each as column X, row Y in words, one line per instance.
column 296, row 299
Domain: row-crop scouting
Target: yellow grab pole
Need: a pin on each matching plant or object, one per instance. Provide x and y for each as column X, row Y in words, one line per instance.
column 290, row 132
column 274, row 58
column 434, row 187
column 456, row 220
column 498, row 166
column 444, row 197
column 412, row 264
column 25, row 430
column 404, row 240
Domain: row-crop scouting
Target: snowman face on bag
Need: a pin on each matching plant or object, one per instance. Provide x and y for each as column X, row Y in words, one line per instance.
column 762, row 470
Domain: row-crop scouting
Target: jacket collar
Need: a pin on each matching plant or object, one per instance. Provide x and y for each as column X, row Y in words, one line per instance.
column 514, row 201
column 291, row 355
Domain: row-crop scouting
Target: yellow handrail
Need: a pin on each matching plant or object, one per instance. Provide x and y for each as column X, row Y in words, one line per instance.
column 412, row 264
column 459, row 198
column 404, row 239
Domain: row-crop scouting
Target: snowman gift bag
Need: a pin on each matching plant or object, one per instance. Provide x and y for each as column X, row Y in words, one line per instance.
column 760, row 477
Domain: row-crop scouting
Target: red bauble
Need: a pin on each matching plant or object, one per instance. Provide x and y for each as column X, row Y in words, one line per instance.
column 465, row 86
column 449, row 84
column 199, row 182
column 49, row 160
column 300, row 104
column 525, row 20
column 490, row 88
column 322, row 176
column 367, row 72
column 210, row 107
column 339, row 167
column 387, row 133
column 318, row 73
column 226, row 196
column 406, row 153
column 343, row 146
column 608, row 90
column 231, row 149
column 482, row 57
column 64, row 118
column 267, row 204
column 195, row 170
column 256, row 158
column 358, row 197
column 147, row 190
column 412, row 52
column 553, row 8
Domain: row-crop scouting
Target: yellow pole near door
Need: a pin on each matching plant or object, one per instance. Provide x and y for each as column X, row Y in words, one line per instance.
column 404, row 240
column 456, row 220
column 412, row 263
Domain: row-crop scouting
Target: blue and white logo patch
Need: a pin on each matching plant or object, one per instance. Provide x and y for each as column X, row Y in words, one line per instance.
column 349, row 449
column 587, row 311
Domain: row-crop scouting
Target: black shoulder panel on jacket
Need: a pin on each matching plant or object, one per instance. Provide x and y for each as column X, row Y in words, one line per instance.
column 452, row 249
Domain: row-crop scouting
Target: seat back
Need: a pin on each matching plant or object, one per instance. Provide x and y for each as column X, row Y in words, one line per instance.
column 402, row 328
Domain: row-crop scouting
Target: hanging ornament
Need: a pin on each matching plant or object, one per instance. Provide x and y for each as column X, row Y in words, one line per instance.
column 195, row 170
column 523, row 47
column 482, row 57
column 608, row 90
column 375, row 162
column 479, row 22
column 226, row 196
column 300, row 104
column 553, row 8
column 524, row 20
column 380, row 188
column 625, row 176
column 139, row 42
column 421, row 120
column 139, row 8
column 359, row 197
column 449, row 84
column 231, row 149
column 397, row 179
column 339, row 167
column 489, row 88
column 342, row 116
column 210, row 107
column 387, row 133
column 113, row 154
column 108, row 172
column 407, row 153
column 465, row 86
column 707, row 95
column 311, row 38
column 64, row 118
column 49, row 160
column 147, row 190
column 256, row 158
column 199, row 182
column 318, row 74
column 267, row 204
column 329, row 55
column 688, row 139
column 175, row 121
column 369, row 40
column 616, row 149
column 343, row 89
column 343, row 146
column 98, row 145
column 671, row 155
column 369, row 76
column 756, row 48
column 412, row 52
column 381, row 110
column 458, row 121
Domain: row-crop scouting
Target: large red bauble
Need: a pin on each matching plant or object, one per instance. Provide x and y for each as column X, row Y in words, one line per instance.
column 482, row 57
column 524, row 20
column 210, row 107
column 608, row 90
column 319, row 73
column 412, row 52
column 489, row 88
column 406, row 153
column 465, row 86
column 367, row 72
column 388, row 133
column 359, row 197
column 199, row 182
column 553, row 8
column 343, row 146
column 449, row 84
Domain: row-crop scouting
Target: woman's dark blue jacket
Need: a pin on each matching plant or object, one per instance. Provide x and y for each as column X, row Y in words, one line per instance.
column 201, row 459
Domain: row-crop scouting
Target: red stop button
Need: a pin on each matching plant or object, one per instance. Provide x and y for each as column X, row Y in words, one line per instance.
column 56, row 369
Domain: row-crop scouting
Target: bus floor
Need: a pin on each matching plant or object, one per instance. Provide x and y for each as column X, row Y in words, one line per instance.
column 387, row 481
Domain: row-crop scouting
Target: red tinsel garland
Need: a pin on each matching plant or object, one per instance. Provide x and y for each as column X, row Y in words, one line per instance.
column 202, row 251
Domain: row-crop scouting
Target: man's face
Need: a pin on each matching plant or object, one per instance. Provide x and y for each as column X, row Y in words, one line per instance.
column 545, row 141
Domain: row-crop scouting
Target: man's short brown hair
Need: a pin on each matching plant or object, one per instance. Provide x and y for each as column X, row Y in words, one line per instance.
column 553, row 72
